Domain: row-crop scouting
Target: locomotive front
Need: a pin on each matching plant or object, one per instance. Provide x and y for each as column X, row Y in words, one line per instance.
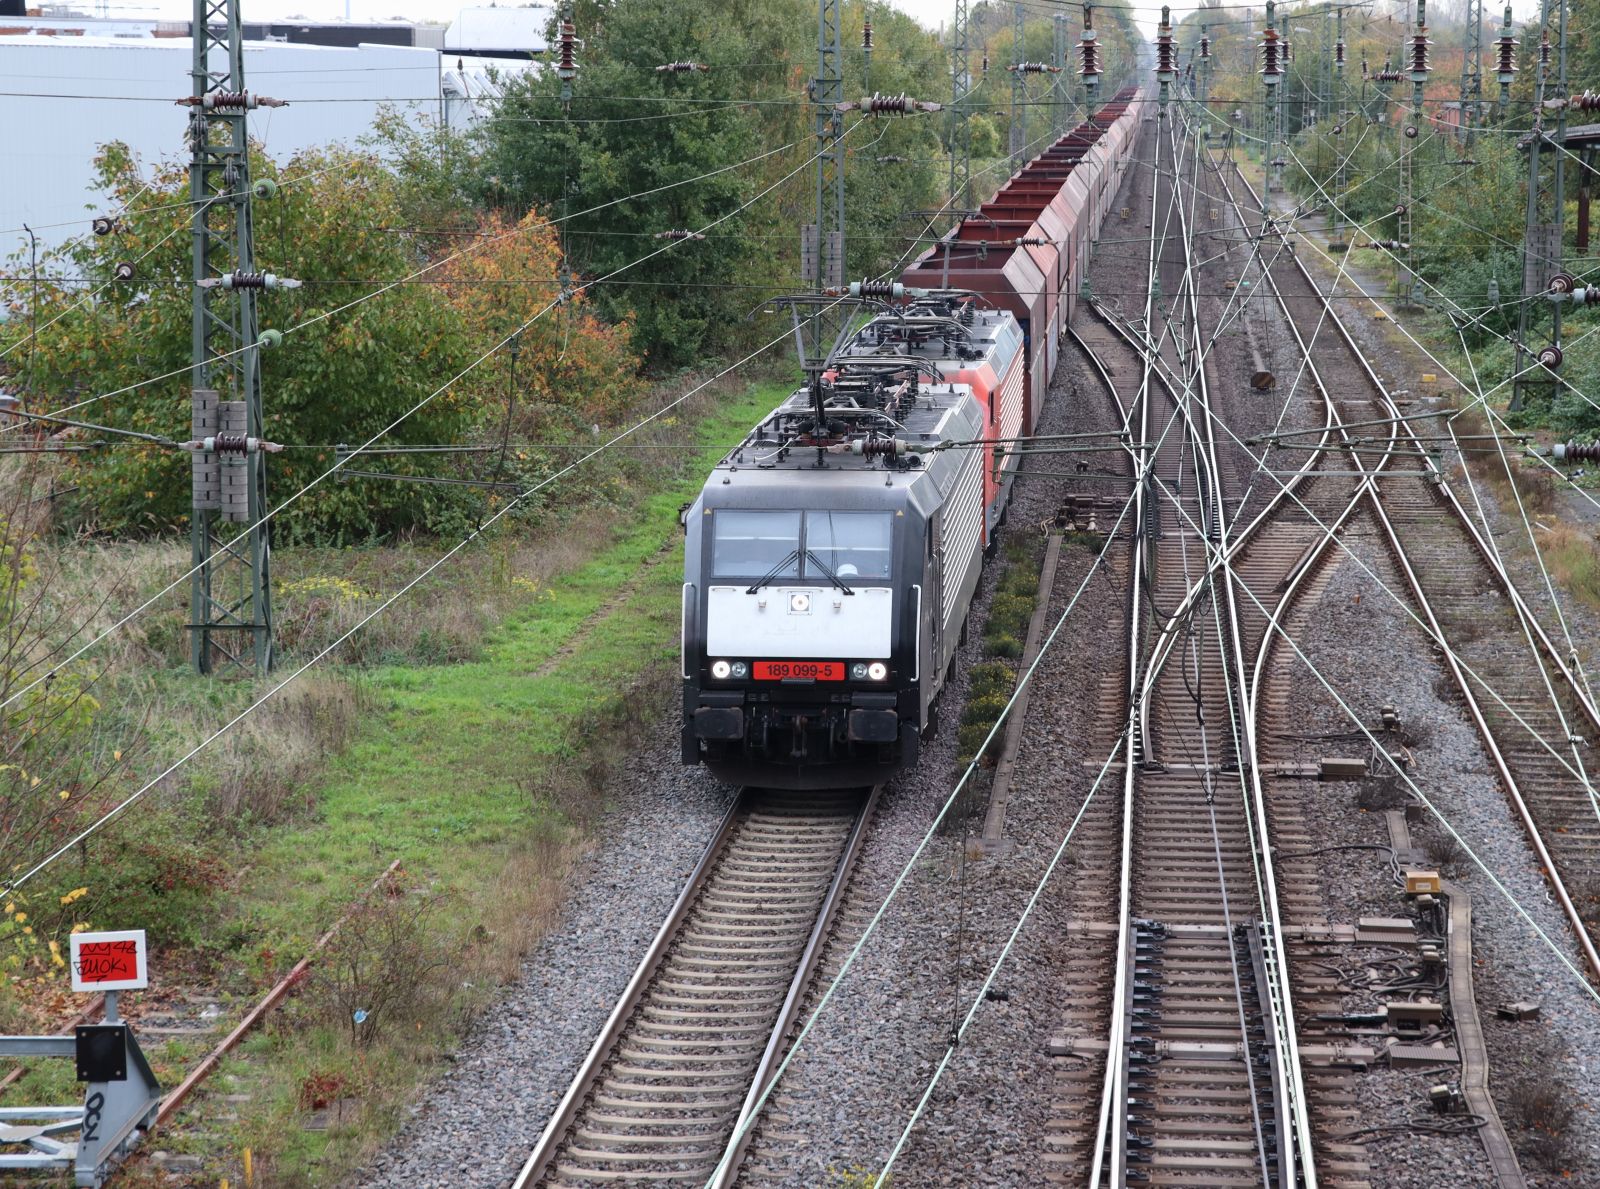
column 800, row 629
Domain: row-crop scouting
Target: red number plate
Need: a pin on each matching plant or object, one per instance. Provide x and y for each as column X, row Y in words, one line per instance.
column 810, row 670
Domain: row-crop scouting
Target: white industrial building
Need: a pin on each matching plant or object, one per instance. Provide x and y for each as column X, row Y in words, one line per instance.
column 64, row 94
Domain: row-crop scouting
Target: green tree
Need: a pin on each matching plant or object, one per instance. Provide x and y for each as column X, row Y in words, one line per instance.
column 632, row 130
column 373, row 344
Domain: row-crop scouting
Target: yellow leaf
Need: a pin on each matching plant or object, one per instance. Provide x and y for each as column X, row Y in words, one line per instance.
column 116, row 755
column 28, row 929
column 21, row 916
column 65, row 794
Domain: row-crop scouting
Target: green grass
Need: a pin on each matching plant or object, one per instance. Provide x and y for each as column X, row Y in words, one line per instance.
column 451, row 775
column 434, row 781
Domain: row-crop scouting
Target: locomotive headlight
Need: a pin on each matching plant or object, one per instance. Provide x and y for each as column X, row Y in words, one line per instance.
column 858, row 671
column 740, row 669
column 800, row 603
column 877, row 671
column 721, row 670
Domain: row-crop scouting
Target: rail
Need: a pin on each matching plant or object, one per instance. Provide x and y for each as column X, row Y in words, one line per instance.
column 1402, row 557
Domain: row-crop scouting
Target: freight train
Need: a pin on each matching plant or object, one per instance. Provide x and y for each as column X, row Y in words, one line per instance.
column 832, row 557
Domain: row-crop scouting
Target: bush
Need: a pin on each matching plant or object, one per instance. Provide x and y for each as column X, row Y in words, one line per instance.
column 1010, row 613
column 386, row 965
column 990, row 678
column 1003, row 645
column 970, row 737
column 986, row 710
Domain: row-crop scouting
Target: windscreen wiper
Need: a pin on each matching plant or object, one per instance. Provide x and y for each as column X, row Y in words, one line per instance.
column 831, row 576
column 792, row 555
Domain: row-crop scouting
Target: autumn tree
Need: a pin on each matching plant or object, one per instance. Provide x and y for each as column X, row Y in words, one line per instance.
column 380, row 341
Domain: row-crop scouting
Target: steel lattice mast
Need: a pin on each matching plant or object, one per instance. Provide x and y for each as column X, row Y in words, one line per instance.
column 1019, row 92
column 231, row 600
column 1541, row 245
column 1472, row 71
column 1411, row 131
column 822, row 243
column 960, row 132
column 1272, row 77
column 1058, row 85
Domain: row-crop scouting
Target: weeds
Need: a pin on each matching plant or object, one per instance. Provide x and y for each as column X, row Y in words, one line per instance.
column 1381, row 793
column 1446, row 853
column 386, row 966
column 1544, row 1113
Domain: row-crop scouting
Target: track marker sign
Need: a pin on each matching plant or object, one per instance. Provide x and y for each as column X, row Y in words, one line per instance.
column 109, row 961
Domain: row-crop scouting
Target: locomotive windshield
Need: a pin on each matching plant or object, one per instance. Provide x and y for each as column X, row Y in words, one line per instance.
column 851, row 544
column 747, row 544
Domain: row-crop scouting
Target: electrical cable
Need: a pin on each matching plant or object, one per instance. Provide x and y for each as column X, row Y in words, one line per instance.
column 340, row 464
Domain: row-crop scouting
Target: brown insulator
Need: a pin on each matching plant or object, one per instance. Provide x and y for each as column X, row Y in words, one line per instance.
column 866, row 35
column 1271, row 70
column 567, row 63
column 1205, row 48
column 1419, row 54
column 1563, row 283
column 1576, row 451
column 1551, row 356
column 1410, row 131
column 1508, row 58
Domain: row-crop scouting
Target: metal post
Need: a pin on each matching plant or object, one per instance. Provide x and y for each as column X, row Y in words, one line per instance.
column 1411, row 140
column 1272, row 76
column 960, row 132
column 1058, row 86
column 1337, row 96
column 866, row 53
column 1541, row 245
column 825, row 250
column 1472, row 72
column 1019, row 93
column 231, row 603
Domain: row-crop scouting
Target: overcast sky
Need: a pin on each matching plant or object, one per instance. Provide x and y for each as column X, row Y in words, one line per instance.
column 931, row 13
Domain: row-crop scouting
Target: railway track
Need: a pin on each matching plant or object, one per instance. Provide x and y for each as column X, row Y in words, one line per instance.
column 1536, row 720
column 1200, row 1080
column 696, row 1033
column 1352, row 395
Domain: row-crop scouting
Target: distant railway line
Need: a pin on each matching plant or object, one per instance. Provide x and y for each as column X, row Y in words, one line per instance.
column 1207, row 1001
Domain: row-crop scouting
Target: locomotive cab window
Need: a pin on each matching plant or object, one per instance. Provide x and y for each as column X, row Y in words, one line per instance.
column 851, row 544
column 750, row 544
